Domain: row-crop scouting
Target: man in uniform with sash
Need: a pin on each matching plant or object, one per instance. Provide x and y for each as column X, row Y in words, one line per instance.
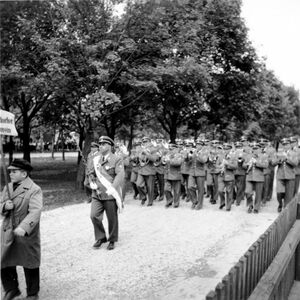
column 106, row 176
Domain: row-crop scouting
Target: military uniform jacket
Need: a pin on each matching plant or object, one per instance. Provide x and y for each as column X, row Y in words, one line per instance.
column 229, row 168
column 173, row 167
column 286, row 169
column 197, row 164
column 112, row 168
column 28, row 202
column 256, row 173
column 149, row 168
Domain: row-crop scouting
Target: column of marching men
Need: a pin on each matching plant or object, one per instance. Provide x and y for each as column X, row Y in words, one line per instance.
column 225, row 173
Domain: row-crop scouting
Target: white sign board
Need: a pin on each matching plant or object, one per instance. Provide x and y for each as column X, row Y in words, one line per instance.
column 7, row 123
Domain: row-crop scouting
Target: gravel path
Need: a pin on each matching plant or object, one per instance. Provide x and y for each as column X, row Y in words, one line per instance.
column 161, row 254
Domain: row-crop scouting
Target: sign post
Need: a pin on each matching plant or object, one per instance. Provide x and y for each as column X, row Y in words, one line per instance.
column 7, row 127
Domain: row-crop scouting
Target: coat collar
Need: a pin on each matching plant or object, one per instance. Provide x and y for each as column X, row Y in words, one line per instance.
column 25, row 185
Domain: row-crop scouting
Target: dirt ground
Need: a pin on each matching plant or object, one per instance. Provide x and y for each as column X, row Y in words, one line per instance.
column 161, row 254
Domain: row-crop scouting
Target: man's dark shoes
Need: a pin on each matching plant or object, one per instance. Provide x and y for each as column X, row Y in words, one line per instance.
column 221, row 206
column 111, row 246
column 279, row 209
column 98, row 244
column 33, row 297
column 11, row 294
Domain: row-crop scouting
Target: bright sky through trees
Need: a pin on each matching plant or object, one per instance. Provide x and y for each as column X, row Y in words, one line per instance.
column 274, row 29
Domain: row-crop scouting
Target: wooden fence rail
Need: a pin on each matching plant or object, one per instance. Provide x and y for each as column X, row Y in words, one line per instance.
column 243, row 278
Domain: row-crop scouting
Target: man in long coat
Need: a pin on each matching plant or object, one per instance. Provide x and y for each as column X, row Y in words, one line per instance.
column 21, row 208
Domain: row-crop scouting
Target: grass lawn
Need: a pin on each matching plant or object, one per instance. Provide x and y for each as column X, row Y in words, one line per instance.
column 57, row 180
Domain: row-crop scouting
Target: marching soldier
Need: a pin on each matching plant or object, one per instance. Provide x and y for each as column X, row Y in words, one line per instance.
column 287, row 160
column 147, row 172
column 269, row 171
column 160, row 168
column 212, row 172
column 226, row 177
column 173, row 162
column 106, row 177
column 240, row 173
column 196, row 185
column 255, row 164
column 185, row 168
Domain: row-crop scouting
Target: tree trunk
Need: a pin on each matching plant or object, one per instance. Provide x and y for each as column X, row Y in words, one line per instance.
column 26, row 137
column 130, row 137
column 80, row 144
column 62, row 139
column 53, row 142
column 173, row 129
column 89, row 137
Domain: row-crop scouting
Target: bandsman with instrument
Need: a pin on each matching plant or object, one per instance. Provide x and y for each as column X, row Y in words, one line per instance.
column 212, row 171
column 269, row 171
column 188, row 145
column 254, row 164
column 173, row 161
column 240, row 173
column 286, row 160
column 146, row 174
column 197, row 159
column 226, row 176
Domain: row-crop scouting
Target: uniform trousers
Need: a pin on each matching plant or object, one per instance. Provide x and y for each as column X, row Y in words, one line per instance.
column 98, row 207
column 172, row 186
column 285, row 191
column 145, row 184
column 212, row 186
column 251, row 187
column 184, row 182
column 225, row 188
column 161, row 185
column 9, row 278
column 240, row 183
column 266, row 189
column 133, row 179
column 196, row 184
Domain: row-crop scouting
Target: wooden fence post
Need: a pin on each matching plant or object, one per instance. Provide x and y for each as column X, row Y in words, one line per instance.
column 220, row 290
column 297, row 253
